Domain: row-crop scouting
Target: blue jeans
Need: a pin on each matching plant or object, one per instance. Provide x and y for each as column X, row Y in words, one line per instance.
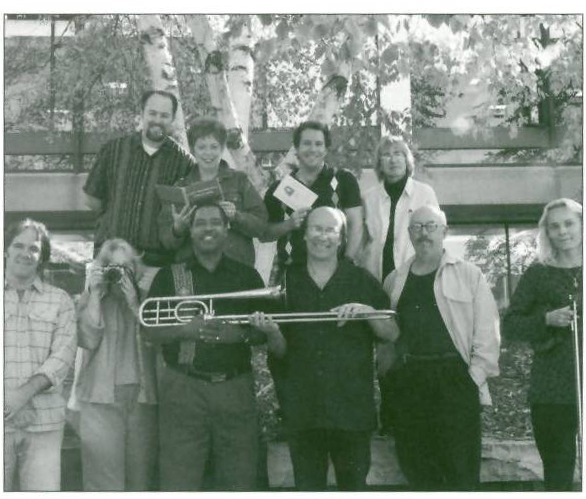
column 32, row 460
column 200, row 420
column 119, row 443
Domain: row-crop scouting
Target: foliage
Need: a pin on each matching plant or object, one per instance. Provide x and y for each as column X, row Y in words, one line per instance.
column 490, row 254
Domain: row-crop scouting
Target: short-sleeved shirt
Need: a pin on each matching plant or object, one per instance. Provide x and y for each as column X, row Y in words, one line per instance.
column 338, row 189
column 124, row 178
column 39, row 339
column 228, row 276
column 326, row 378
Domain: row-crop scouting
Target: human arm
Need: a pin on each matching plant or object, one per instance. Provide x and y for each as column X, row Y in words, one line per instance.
column 246, row 211
column 355, row 221
column 525, row 319
column 173, row 224
column 96, row 185
column 274, row 231
column 486, row 333
column 276, row 342
column 16, row 399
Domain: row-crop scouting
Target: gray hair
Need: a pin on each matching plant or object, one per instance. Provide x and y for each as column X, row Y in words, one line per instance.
column 434, row 209
column 545, row 251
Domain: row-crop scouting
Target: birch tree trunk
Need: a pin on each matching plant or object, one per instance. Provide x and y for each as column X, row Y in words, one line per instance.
column 241, row 74
column 221, row 99
column 326, row 106
column 161, row 68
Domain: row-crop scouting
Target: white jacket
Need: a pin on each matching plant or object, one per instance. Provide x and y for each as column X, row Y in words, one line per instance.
column 377, row 204
column 468, row 309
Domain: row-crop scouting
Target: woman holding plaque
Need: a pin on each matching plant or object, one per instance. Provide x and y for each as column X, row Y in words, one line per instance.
column 542, row 313
column 234, row 191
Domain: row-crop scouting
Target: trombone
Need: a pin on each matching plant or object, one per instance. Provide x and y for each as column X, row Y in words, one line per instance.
column 179, row 310
column 577, row 373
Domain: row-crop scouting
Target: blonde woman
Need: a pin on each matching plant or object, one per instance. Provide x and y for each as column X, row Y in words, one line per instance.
column 117, row 387
column 540, row 313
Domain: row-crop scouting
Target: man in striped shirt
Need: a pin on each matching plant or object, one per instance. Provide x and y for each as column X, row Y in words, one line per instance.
column 121, row 185
column 39, row 348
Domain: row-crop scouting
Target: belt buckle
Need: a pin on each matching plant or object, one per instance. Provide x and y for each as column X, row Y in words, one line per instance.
column 218, row 377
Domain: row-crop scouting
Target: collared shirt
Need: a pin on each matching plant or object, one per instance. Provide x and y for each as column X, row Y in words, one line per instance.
column 377, row 204
column 114, row 353
column 39, row 339
column 229, row 275
column 468, row 310
column 338, row 189
column 124, row 178
column 250, row 220
column 326, row 377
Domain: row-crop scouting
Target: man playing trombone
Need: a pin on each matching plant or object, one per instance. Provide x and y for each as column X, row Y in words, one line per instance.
column 323, row 370
column 207, row 400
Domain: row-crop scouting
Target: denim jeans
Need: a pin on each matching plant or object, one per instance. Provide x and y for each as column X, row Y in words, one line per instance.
column 119, row 443
column 32, row 460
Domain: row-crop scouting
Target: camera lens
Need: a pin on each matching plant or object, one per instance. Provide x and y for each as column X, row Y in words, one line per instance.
column 113, row 274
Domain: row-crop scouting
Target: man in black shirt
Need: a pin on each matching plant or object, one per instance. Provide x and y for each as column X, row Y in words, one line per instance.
column 338, row 189
column 324, row 370
column 207, row 401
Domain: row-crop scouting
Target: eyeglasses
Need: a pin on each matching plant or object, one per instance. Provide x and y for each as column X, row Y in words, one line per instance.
column 316, row 230
column 429, row 227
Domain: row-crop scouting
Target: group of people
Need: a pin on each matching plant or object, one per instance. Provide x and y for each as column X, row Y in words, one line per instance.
column 172, row 407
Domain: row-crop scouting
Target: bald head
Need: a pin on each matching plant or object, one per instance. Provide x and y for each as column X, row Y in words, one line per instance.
column 427, row 230
column 325, row 233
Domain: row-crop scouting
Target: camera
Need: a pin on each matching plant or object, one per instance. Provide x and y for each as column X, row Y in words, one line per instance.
column 113, row 274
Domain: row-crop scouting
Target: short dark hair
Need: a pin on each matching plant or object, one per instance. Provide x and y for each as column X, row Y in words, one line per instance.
column 312, row 125
column 205, row 127
column 225, row 218
column 149, row 93
column 16, row 228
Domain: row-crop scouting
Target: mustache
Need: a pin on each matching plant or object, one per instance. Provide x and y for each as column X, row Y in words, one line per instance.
column 423, row 238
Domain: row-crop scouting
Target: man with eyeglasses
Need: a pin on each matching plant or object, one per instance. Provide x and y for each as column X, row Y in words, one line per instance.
column 447, row 348
column 323, row 371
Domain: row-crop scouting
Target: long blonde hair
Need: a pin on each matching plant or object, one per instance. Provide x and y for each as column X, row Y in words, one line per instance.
column 545, row 251
column 386, row 143
column 111, row 245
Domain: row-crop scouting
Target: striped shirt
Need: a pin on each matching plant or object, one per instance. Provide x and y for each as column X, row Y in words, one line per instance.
column 124, row 178
column 39, row 339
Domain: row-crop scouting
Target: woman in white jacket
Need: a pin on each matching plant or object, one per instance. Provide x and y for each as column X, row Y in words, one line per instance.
column 387, row 208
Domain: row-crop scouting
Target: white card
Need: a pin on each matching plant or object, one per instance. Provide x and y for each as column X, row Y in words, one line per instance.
column 294, row 194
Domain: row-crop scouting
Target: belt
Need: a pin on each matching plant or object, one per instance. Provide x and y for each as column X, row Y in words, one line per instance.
column 408, row 358
column 210, row 376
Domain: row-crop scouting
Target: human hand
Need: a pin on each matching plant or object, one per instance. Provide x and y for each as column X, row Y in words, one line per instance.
column 561, row 317
column 264, row 323
column 14, row 401
column 129, row 290
column 297, row 217
column 217, row 331
column 349, row 310
column 96, row 279
column 181, row 219
column 229, row 209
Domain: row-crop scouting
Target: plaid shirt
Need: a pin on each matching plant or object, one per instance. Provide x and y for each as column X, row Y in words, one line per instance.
column 124, row 178
column 39, row 338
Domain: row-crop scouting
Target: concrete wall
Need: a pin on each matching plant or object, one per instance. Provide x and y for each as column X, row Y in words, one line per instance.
column 467, row 185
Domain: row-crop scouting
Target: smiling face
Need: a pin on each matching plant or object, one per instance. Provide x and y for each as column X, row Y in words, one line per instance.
column 312, row 149
column 209, row 230
column 157, row 118
column 208, row 153
column 393, row 164
column 323, row 234
column 564, row 229
column 23, row 256
column 427, row 231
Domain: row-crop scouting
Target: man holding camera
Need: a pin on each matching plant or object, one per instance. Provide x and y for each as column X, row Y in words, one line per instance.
column 116, row 386
column 207, row 400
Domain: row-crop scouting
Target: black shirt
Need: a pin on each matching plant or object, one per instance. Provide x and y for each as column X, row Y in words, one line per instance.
column 423, row 331
column 326, row 379
column 338, row 189
column 228, row 276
